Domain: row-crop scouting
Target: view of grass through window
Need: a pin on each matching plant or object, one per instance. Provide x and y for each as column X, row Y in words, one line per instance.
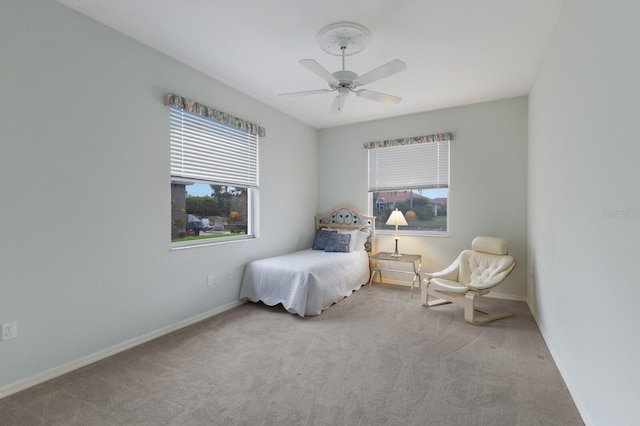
column 423, row 209
column 205, row 211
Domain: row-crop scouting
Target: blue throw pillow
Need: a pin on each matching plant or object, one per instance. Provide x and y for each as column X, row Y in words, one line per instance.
column 338, row 243
column 320, row 241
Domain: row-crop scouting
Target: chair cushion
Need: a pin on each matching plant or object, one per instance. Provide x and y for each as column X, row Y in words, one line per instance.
column 492, row 245
column 482, row 270
column 447, row 285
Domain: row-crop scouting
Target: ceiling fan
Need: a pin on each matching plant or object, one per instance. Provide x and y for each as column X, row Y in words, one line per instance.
column 336, row 39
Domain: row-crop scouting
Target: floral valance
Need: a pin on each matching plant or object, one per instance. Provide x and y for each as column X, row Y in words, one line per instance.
column 440, row 137
column 213, row 114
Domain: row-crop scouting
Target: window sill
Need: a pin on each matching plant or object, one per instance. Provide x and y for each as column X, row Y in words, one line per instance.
column 444, row 234
column 209, row 243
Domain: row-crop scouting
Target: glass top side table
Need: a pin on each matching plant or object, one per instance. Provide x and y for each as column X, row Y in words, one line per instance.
column 377, row 266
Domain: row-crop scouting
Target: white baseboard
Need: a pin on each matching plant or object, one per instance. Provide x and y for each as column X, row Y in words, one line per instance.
column 54, row 372
column 493, row 294
column 506, row 296
column 573, row 389
column 391, row 281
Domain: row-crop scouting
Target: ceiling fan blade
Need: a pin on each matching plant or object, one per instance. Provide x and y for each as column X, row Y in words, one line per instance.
column 382, row 71
column 319, row 70
column 338, row 104
column 377, row 96
column 307, row 92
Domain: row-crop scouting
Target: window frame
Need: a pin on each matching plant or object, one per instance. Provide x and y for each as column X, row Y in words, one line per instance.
column 197, row 144
column 391, row 177
column 401, row 231
column 252, row 226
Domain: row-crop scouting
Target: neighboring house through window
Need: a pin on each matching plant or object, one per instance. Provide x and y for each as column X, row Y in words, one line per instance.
column 214, row 174
column 412, row 175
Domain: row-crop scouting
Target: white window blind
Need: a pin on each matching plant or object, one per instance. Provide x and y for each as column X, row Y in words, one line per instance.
column 204, row 150
column 415, row 166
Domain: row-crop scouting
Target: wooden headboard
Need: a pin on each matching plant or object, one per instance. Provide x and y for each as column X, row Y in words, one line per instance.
column 344, row 217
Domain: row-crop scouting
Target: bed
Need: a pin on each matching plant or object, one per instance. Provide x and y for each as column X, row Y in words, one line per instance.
column 307, row 282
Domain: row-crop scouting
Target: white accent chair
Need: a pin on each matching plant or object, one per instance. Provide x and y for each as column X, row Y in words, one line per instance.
column 474, row 273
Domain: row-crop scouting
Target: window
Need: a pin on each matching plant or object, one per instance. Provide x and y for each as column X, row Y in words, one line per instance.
column 214, row 178
column 411, row 175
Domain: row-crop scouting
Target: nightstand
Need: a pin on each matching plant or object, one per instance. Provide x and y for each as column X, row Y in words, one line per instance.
column 414, row 259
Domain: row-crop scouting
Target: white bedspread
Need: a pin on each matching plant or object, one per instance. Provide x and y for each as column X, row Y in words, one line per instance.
column 305, row 282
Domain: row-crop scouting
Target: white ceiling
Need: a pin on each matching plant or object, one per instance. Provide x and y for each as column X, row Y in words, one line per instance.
column 457, row 52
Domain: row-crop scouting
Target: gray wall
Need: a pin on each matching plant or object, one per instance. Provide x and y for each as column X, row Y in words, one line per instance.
column 85, row 259
column 85, row 263
column 487, row 178
column 584, row 205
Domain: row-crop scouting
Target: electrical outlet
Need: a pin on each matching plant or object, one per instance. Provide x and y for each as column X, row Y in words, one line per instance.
column 9, row 330
column 209, row 280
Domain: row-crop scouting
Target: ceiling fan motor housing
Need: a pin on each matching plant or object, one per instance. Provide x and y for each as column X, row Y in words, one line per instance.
column 346, row 79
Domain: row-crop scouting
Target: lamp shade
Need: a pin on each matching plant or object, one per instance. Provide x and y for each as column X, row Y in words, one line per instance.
column 396, row 218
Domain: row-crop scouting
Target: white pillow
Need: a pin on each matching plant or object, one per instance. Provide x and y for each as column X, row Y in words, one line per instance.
column 352, row 241
column 361, row 240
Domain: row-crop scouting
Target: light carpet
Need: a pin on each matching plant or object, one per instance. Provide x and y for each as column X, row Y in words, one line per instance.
column 375, row 358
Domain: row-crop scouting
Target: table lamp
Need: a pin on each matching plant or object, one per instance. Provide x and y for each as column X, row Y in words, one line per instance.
column 396, row 218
